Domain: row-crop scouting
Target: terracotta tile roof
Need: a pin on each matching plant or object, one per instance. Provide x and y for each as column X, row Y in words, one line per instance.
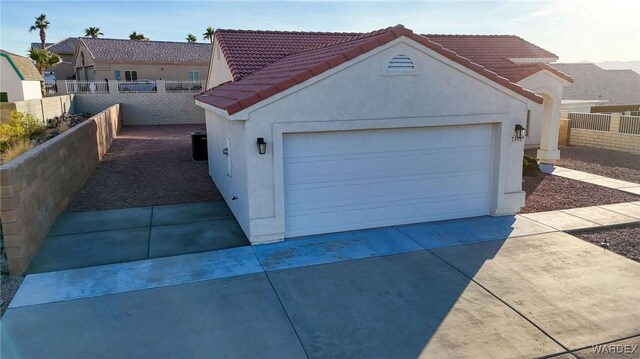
column 619, row 87
column 495, row 51
column 284, row 70
column 147, row 51
column 247, row 51
column 24, row 66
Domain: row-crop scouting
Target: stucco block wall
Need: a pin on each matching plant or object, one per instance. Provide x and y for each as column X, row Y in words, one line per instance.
column 609, row 140
column 139, row 108
column 36, row 187
column 42, row 109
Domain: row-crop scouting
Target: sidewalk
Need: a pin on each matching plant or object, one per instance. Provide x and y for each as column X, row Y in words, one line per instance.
column 588, row 217
column 625, row 186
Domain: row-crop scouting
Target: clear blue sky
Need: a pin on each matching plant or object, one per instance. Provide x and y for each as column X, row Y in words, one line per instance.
column 576, row 31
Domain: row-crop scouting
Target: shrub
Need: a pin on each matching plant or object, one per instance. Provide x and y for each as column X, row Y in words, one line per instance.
column 21, row 127
column 16, row 150
column 530, row 166
column 63, row 127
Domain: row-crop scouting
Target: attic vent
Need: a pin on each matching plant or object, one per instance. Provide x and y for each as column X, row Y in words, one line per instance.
column 217, row 53
column 400, row 63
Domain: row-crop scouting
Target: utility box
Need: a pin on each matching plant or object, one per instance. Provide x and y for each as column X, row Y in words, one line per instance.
column 199, row 146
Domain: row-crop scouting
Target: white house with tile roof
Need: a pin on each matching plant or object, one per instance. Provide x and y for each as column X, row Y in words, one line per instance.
column 314, row 133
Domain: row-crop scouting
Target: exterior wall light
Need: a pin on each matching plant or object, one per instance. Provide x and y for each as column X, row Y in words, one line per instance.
column 262, row 146
column 520, row 132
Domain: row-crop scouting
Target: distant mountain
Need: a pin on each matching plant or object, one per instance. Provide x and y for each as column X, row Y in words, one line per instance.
column 620, row 65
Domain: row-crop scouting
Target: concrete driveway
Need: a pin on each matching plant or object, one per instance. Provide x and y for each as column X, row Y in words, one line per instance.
column 483, row 287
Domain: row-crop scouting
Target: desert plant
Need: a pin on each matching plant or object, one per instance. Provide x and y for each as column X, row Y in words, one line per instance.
column 43, row 60
column 209, row 34
column 41, row 24
column 20, row 127
column 16, row 150
column 529, row 166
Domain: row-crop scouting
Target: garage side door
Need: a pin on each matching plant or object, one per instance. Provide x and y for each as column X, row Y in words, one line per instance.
column 337, row 181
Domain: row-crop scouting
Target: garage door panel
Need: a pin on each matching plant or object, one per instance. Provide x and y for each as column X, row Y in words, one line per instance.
column 391, row 189
column 364, row 142
column 350, row 218
column 319, row 169
column 338, row 181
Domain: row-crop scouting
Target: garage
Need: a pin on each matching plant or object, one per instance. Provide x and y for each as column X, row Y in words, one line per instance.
column 345, row 180
column 374, row 130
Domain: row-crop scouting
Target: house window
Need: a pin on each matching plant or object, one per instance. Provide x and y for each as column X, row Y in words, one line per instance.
column 117, row 75
column 528, row 123
column 130, row 75
column 194, row 76
column 4, row 97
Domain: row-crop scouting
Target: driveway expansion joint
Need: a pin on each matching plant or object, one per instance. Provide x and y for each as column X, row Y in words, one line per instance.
column 567, row 350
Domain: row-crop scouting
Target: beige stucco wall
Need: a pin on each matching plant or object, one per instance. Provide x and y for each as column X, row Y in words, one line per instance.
column 36, row 187
column 150, row 71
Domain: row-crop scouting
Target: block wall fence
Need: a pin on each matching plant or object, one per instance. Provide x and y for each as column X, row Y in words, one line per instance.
column 36, row 187
column 611, row 140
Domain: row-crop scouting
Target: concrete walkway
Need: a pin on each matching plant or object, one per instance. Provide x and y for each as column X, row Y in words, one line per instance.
column 85, row 239
column 588, row 217
column 625, row 186
column 507, row 287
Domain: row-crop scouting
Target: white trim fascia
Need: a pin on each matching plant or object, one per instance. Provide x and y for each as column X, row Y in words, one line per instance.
column 245, row 113
column 217, row 111
column 564, row 82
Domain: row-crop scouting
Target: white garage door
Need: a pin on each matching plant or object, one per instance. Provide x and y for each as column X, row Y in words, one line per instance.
column 337, row 181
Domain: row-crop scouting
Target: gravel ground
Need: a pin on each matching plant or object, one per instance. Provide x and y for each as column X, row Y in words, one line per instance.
column 622, row 240
column 145, row 166
column 620, row 165
column 550, row 193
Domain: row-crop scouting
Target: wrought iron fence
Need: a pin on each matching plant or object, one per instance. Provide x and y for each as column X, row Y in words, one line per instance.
column 87, row 86
column 630, row 125
column 138, row 86
column 183, row 86
column 50, row 87
column 590, row 121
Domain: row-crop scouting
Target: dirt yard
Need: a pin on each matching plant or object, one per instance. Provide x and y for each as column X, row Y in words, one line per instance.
column 615, row 164
column 550, row 193
column 622, row 240
column 147, row 165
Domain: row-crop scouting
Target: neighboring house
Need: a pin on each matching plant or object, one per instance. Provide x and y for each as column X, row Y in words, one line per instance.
column 130, row 60
column 19, row 80
column 365, row 130
column 599, row 90
column 64, row 49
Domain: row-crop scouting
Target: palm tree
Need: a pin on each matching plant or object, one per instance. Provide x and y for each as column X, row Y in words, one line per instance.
column 43, row 60
column 93, row 32
column 135, row 36
column 41, row 24
column 191, row 38
column 209, row 34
